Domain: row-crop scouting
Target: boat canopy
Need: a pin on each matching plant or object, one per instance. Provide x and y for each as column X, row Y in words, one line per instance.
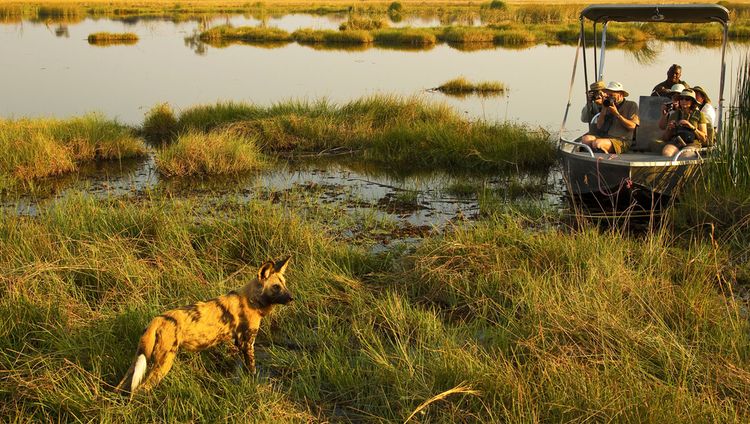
column 673, row 13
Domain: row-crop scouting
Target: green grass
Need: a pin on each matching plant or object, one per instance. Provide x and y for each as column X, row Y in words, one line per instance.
column 38, row 148
column 309, row 36
column 255, row 34
column 160, row 124
column 365, row 23
column 397, row 132
column 406, row 36
column 461, row 85
column 509, row 324
column 107, row 38
column 467, row 35
column 215, row 153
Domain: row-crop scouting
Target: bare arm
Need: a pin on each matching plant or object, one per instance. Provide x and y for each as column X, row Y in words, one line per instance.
column 629, row 123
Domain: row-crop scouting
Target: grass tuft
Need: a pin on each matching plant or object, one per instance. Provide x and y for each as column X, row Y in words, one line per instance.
column 160, row 124
column 38, row 148
column 406, row 36
column 215, row 153
column 309, row 36
column 252, row 34
column 461, row 85
column 365, row 23
column 108, row 38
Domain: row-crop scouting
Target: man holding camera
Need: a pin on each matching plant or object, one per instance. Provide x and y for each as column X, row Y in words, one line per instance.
column 593, row 106
column 616, row 122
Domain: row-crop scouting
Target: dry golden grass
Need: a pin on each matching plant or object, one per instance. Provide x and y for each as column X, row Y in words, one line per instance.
column 325, row 2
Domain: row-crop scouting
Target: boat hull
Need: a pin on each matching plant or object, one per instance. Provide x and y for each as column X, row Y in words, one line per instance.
column 602, row 174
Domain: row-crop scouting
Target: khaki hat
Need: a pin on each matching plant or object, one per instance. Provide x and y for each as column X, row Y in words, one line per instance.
column 677, row 88
column 699, row 89
column 616, row 86
column 596, row 86
column 688, row 93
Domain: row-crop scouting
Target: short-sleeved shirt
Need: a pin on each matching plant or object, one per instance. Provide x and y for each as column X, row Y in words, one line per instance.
column 629, row 110
column 695, row 117
column 666, row 85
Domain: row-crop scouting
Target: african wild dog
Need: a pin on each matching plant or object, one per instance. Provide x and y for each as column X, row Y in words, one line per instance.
column 235, row 316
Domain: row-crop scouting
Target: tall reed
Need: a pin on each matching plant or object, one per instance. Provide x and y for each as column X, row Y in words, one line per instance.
column 721, row 197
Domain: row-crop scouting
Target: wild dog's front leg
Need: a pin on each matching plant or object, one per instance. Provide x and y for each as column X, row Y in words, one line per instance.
column 247, row 348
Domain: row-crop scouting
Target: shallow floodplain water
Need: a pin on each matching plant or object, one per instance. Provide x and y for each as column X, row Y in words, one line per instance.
column 51, row 70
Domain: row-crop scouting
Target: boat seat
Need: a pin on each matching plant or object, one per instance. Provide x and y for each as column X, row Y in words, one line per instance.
column 649, row 113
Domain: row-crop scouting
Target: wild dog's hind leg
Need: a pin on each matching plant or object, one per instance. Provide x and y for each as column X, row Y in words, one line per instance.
column 166, row 343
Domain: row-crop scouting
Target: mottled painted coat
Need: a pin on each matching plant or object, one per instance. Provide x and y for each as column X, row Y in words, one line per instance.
column 233, row 317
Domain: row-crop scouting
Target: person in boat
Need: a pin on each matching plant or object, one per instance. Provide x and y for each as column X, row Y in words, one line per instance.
column 664, row 88
column 704, row 103
column 616, row 122
column 594, row 99
column 669, row 107
column 687, row 127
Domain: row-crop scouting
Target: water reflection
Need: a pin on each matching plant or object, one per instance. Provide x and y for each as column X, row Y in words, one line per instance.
column 171, row 65
column 408, row 197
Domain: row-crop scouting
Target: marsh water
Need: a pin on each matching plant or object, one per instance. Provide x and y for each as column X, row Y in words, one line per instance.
column 50, row 70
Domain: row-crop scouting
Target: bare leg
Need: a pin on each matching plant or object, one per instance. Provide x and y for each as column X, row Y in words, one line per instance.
column 669, row 150
column 603, row 143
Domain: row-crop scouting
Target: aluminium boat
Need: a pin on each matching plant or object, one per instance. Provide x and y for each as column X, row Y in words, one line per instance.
column 638, row 170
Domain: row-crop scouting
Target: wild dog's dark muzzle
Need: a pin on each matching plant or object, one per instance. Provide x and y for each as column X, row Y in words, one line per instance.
column 283, row 298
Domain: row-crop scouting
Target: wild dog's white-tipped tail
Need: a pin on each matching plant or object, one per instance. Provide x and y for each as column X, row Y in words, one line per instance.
column 138, row 372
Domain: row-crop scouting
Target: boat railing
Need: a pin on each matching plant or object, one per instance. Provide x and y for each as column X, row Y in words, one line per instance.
column 700, row 152
column 585, row 147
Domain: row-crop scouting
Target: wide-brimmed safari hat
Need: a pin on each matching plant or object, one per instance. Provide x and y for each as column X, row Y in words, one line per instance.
column 596, row 86
column 689, row 94
column 699, row 89
column 616, row 86
column 677, row 88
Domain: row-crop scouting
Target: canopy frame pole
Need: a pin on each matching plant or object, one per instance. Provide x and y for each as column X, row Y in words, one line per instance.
column 570, row 90
column 601, row 57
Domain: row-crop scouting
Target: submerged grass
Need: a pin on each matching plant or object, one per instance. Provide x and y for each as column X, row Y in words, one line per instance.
column 397, row 132
column 490, row 323
column 215, row 153
column 38, row 148
column 107, row 38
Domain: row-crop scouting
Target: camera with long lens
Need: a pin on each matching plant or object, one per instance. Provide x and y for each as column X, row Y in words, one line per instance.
column 669, row 107
column 607, row 102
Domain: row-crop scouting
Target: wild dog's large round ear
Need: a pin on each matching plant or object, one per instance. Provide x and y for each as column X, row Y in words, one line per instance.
column 280, row 266
column 265, row 270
